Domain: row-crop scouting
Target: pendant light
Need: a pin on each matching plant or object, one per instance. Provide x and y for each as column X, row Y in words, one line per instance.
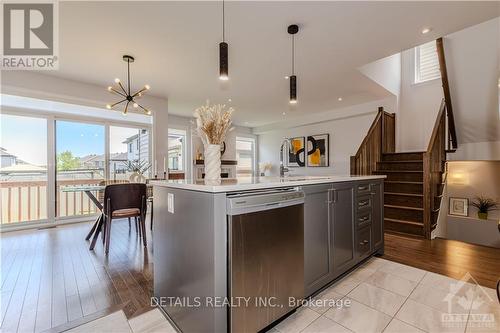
column 223, row 51
column 292, row 30
column 125, row 93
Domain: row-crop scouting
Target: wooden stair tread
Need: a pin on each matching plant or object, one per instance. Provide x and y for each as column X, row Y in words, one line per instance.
column 402, row 182
column 405, row 194
column 404, row 152
column 402, row 161
column 404, row 222
column 402, row 171
column 403, row 207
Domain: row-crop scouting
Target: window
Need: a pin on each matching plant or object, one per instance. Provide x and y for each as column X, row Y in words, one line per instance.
column 245, row 155
column 23, row 169
column 426, row 63
column 80, row 157
column 176, row 149
column 121, row 163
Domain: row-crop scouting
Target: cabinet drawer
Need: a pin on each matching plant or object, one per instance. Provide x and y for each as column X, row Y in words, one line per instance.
column 363, row 189
column 364, row 243
column 364, row 202
column 364, row 218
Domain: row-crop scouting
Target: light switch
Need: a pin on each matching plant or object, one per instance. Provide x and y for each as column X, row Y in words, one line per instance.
column 170, row 202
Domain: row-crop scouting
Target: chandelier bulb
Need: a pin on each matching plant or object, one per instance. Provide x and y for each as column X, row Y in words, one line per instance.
column 108, row 106
column 110, row 88
column 147, row 87
column 117, row 80
column 135, row 105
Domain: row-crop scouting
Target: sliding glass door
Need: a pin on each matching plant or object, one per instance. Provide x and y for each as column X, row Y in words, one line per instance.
column 23, row 169
column 47, row 162
column 80, row 161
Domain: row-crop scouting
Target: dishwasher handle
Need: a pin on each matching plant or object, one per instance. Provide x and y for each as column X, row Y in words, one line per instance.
column 262, row 202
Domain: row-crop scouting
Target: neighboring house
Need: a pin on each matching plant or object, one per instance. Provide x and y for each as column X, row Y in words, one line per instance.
column 117, row 161
column 138, row 146
column 7, row 159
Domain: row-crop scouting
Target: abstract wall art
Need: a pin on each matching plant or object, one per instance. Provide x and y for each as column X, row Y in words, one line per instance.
column 318, row 150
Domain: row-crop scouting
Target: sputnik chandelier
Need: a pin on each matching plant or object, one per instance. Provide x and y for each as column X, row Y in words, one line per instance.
column 125, row 94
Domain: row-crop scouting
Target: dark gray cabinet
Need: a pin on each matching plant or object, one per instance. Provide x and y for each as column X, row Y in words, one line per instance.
column 342, row 223
column 318, row 261
column 377, row 193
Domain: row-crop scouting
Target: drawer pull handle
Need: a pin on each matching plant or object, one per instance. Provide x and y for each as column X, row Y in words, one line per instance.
column 363, row 219
column 364, row 242
column 363, row 203
column 362, row 188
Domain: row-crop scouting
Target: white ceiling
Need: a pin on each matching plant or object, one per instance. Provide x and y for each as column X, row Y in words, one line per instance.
column 176, row 49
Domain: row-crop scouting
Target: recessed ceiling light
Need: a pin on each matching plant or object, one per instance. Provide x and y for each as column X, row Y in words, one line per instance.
column 339, row 99
column 287, row 77
column 284, row 113
column 426, row 30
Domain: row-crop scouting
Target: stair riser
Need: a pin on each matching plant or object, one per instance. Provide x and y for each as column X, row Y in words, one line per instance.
column 403, row 200
column 403, row 157
column 403, row 188
column 404, row 228
column 400, row 166
column 403, row 176
column 404, row 214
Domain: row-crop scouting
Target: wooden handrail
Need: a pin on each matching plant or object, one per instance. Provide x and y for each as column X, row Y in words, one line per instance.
column 446, row 91
column 379, row 139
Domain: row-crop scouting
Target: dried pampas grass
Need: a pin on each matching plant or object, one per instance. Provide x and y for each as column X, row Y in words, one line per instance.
column 213, row 122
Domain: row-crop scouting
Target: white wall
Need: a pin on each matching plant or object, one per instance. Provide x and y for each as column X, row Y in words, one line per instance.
column 472, row 58
column 418, row 107
column 347, row 128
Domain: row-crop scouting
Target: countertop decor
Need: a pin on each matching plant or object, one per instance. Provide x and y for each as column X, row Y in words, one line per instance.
column 213, row 122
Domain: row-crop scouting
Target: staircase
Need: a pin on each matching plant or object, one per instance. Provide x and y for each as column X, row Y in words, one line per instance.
column 414, row 186
column 403, row 192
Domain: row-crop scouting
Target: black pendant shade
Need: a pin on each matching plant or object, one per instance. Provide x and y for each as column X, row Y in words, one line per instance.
column 292, row 30
column 293, row 89
column 223, row 61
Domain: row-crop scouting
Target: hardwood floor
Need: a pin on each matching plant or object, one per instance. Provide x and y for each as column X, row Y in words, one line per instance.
column 448, row 257
column 49, row 277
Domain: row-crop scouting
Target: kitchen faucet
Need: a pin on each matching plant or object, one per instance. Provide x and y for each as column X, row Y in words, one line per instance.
column 284, row 149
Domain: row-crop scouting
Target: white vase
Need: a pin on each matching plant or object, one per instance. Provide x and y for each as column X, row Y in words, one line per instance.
column 136, row 177
column 212, row 162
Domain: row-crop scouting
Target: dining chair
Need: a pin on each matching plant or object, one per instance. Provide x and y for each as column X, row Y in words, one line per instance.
column 125, row 201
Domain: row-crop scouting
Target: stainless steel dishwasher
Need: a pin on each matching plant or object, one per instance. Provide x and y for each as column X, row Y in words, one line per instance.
column 266, row 256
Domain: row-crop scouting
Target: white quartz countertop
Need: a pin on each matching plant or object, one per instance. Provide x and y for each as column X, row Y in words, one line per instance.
column 256, row 183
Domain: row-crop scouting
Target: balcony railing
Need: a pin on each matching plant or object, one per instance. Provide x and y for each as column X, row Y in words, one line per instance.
column 24, row 201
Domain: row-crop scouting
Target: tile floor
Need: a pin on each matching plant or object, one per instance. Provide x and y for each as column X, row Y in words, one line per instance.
column 384, row 296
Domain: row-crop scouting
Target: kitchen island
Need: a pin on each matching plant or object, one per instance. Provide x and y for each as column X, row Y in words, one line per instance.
column 239, row 254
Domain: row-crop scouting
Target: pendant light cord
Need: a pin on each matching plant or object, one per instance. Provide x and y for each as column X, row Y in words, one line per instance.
column 128, row 75
column 223, row 22
column 293, row 54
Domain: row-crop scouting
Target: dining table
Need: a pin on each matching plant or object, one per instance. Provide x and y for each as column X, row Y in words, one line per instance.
column 89, row 190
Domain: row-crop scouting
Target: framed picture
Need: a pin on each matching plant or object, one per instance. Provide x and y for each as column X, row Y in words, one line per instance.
column 459, row 206
column 318, row 150
column 296, row 153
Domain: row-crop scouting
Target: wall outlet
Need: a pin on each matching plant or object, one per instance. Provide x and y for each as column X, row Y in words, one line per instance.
column 170, row 202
